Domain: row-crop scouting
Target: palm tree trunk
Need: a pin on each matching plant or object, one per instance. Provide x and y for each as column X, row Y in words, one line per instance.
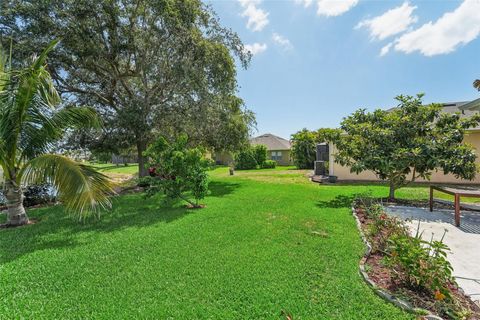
column 16, row 214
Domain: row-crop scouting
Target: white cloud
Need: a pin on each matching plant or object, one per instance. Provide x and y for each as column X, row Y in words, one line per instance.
column 392, row 22
column 443, row 36
column 256, row 48
column 386, row 49
column 257, row 18
column 305, row 3
column 332, row 8
column 282, row 41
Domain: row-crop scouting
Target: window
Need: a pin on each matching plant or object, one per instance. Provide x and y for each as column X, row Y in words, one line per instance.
column 276, row 155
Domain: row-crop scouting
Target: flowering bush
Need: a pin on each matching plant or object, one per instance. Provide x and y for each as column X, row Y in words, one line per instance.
column 421, row 264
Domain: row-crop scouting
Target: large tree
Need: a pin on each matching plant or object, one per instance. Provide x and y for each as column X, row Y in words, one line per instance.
column 407, row 143
column 30, row 123
column 147, row 66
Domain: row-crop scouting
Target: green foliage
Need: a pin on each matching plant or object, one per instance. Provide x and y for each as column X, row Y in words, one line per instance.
column 260, row 154
column 406, row 143
column 180, row 170
column 383, row 227
column 421, row 264
column 304, row 145
column 245, row 159
column 31, row 122
column 251, row 157
column 269, row 164
column 415, row 263
column 111, row 55
column 304, row 149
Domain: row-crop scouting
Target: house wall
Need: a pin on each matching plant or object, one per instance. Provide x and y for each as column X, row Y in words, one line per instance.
column 286, row 159
column 343, row 173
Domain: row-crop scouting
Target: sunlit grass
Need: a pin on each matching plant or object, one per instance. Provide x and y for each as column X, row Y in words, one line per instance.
column 258, row 250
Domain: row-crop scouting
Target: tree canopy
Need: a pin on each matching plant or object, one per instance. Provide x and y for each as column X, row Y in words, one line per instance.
column 406, row 143
column 148, row 67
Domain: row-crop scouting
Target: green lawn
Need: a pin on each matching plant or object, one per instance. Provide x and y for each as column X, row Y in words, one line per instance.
column 268, row 242
column 130, row 168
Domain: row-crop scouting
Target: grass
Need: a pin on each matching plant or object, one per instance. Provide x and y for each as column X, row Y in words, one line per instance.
column 269, row 243
column 130, row 168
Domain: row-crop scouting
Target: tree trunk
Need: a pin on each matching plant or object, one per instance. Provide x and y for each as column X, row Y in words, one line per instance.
column 141, row 147
column 16, row 215
column 391, row 196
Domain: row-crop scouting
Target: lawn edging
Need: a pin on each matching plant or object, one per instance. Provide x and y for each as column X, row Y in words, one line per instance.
column 402, row 304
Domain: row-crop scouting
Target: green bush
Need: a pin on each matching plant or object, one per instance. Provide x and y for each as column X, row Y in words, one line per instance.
column 304, row 149
column 251, row 158
column 421, row 264
column 245, row 160
column 180, row 170
column 269, row 164
column 260, row 154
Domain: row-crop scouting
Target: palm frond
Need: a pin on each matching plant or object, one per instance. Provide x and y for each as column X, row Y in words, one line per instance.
column 476, row 84
column 82, row 189
column 20, row 98
column 42, row 128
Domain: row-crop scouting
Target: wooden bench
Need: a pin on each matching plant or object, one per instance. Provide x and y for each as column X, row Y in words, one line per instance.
column 457, row 193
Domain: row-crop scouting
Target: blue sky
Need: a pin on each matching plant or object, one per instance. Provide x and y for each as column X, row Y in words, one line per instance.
column 316, row 61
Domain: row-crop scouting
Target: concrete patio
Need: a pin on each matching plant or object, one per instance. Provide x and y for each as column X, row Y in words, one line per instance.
column 463, row 241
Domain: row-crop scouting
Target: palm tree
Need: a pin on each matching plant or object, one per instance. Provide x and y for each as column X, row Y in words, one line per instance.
column 476, row 84
column 30, row 122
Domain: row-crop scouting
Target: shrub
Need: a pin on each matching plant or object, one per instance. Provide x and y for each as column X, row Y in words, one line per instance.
column 269, row 164
column 421, row 264
column 304, row 149
column 260, row 154
column 245, row 159
column 179, row 170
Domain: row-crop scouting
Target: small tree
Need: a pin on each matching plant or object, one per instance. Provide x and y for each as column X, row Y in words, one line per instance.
column 179, row 170
column 410, row 140
column 245, row 159
column 304, row 148
column 260, row 154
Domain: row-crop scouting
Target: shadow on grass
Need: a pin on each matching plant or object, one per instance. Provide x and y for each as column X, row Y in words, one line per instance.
column 342, row 201
column 56, row 230
column 220, row 189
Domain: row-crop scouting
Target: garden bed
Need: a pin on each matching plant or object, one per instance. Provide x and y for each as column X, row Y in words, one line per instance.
column 389, row 280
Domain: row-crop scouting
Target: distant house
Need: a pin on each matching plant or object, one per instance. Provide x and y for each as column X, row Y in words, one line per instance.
column 472, row 136
column 278, row 149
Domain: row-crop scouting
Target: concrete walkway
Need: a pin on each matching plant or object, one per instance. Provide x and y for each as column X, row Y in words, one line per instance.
column 464, row 242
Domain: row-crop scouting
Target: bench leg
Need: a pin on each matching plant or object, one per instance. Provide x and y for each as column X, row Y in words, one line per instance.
column 457, row 210
column 431, row 199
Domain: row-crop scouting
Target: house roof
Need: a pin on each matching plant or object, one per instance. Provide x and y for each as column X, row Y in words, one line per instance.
column 472, row 105
column 465, row 108
column 272, row 142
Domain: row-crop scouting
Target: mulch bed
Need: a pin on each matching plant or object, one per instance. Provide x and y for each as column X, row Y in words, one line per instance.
column 383, row 278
